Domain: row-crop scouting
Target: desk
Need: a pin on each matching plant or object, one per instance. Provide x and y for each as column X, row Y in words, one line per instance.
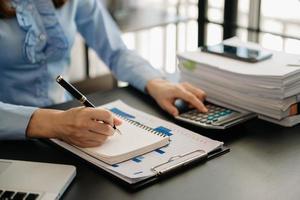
column 264, row 163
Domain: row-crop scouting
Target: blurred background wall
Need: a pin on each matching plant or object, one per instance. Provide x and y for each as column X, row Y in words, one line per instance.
column 158, row 29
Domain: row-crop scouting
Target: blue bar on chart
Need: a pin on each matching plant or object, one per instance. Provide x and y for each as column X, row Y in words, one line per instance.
column 159, row 151
column 138, row 159
column 121, row 113
column 163, row 130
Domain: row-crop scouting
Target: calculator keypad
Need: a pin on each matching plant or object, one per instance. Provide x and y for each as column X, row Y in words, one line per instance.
column 215, row 115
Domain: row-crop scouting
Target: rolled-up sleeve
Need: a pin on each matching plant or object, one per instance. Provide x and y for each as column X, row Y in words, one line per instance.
column 102, row 34
column 14, row 121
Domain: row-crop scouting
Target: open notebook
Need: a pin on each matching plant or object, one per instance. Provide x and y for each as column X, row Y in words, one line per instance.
column 136, row 139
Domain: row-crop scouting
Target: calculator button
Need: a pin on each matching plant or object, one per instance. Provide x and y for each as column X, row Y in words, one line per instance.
column 227, row 117
column 217, row 115
column 223, row 113
column 228, row 111
column 210, row 118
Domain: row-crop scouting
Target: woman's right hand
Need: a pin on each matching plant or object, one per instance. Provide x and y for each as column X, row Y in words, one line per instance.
column 83, row 127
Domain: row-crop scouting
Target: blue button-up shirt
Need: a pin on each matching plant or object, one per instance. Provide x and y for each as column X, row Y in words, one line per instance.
column 35, row 48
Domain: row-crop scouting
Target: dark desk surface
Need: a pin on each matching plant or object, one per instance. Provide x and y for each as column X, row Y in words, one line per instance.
column 264, row 163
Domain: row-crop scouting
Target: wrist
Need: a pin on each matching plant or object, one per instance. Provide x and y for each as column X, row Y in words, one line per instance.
column 43, row 124
column 153, row 84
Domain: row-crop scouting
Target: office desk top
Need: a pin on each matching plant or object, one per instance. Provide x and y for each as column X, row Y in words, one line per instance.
column 264, row 162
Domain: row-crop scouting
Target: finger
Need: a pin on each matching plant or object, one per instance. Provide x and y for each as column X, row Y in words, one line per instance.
column 200, row 94
column 101, row 114
column 192, row 99
column 190, row 106
column 101, row 128
column 117, row 121
column 170, row 108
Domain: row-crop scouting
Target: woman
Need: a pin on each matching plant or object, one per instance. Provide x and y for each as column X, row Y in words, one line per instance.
column 36, row 37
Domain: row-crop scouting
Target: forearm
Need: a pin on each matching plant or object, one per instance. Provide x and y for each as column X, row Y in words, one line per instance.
column 14, row 120
column 44, row 123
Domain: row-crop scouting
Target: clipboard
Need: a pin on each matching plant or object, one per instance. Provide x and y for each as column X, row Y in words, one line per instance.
column 175, row 165
column 179, row 168
column 185, row 149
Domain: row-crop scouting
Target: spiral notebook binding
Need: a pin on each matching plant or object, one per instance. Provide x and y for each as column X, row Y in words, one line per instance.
column 147, row 128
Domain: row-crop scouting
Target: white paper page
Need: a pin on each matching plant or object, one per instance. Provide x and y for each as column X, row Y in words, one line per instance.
column 182, row 141
column 131, row 138
column 273, row 67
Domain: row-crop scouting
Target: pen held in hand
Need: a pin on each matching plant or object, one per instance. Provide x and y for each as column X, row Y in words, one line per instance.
column 78, row 95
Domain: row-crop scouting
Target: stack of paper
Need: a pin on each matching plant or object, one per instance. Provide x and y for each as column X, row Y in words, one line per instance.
column 270, row 88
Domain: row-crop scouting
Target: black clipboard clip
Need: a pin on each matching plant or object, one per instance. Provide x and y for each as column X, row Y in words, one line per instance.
column 176, row 162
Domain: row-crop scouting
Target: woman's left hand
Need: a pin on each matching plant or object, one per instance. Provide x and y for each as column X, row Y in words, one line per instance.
column 165, row 93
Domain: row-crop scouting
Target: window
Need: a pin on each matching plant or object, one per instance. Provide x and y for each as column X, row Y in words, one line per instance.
column 281, row 22
column 161, row 43
column 273, row 24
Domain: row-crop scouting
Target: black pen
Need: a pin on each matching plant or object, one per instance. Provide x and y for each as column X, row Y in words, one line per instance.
column 78, row 95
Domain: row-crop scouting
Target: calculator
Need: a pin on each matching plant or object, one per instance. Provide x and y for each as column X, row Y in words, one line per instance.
column 217, row 117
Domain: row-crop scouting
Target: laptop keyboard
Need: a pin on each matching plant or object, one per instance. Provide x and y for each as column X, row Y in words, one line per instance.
column 14, row 195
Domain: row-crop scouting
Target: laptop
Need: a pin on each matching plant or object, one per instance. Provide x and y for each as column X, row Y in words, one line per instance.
column 33, row 180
